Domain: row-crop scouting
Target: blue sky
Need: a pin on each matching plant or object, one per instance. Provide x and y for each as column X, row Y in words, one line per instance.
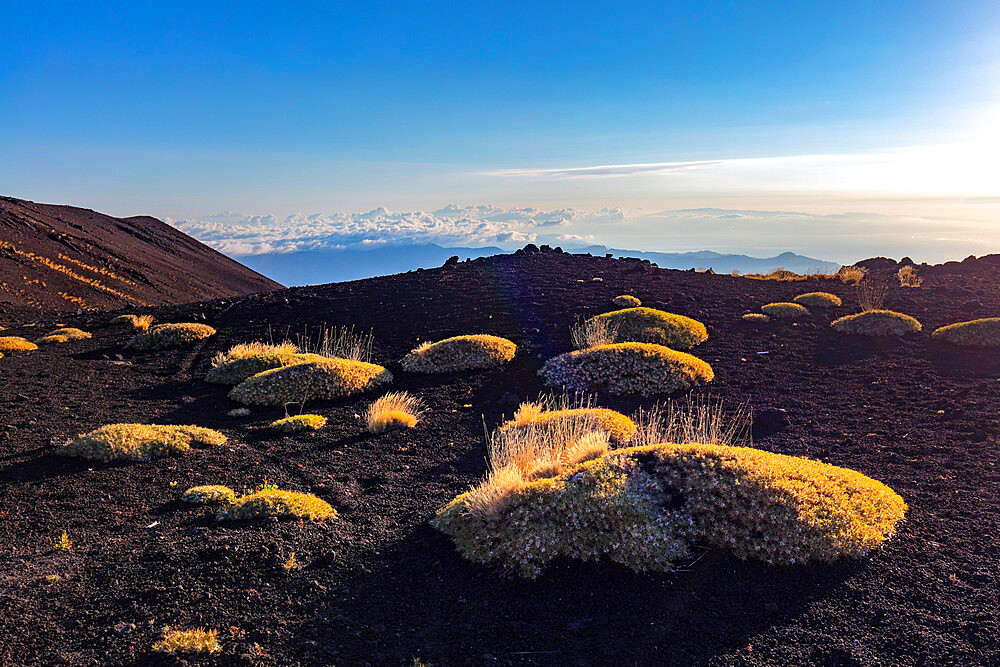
column 184, row 110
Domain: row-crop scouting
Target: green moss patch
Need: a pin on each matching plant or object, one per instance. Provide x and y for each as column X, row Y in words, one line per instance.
column 649, row 325
column 627, row 368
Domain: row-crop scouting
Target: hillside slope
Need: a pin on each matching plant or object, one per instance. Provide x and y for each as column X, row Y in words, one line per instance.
column 68, row 258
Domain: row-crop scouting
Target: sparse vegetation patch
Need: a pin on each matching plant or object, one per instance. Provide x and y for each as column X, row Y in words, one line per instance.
column 459, row 353
column 198, row 640
column 139, row 442
column 784, row 310
column 818, row 300
column 164, row 336
column 298, row 383
column 626, row 368
column 51, row 340
column 270, row 502
column 755, row 318
column 209, row 494
column 300, row 423
column 877, row 323
column 983, row 332
column 656, row 326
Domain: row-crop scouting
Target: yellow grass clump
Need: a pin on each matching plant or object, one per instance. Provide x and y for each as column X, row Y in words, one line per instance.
column 164, row 336
column 51, row 339
column 908, row 277
column 137, row 322
column 755, row 318
column 818, row 300
column 16, row 344
column 649, row 325
column 561, row 413
column 784, row 310
column 877, row 323
column 626, row 368
column 211, row 494
column 276, row 503
column 627, row 301
column 247, row 359
column 198, row 640
column 300, row 423
column 312, row 380
column 459, row 353
column 139, row 442
column 983, row 332
column 395, row 409
column 646, row 507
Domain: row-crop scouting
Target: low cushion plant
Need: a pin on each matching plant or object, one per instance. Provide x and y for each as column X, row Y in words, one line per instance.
column 279, row 504
column 459, row 353
column 877, row 323
column 299, row 423
column 627, row 301
column 618, row 426
column 818, row 300
column 323, row 380
column 983, row 332
column 16, row 344
column 785, row 310
column 139, row 442
column 163, row 336
column 649, row 325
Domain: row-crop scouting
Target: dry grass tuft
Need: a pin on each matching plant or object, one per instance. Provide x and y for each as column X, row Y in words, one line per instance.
column 198, row 640
column 164, row 336
column 395, row 409
column 648, row 325
column 593, row 332
column 459, row 353
column 784, row 310
column 338, row 343
column 872, row 293
column 16, row 344
column 818, row 300
column 983, row 332
column 851, row 275
column 299, row 423
column 137, row 322
column 139, row 442
column 626, row 368
column 908, row 277
column 627, row 301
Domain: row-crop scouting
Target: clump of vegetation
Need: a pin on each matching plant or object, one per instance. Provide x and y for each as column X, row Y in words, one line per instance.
column 210, row 494
column 908, row 277
column 851, row 275
column 72, row 333
column 593, row 332
column 649, row 325
column 139, row 442
column 137, row 322
column 648, row 505
column 983, row 332
column 872, row 293
column 818, row 300
column 876, row 323
column 271, row 502
column 291, row 564
column 785, row 310
column 198, row 640
column 247, row 359
column 298, row 383
column 627, row 301
column 626, row 368
column 62, row 543
column 51, row 340
column 459, row 353
column 755, row 318
column 164, row 336
column 395, row 409
column 16, row 344
column 299, row 423
column 564, row 411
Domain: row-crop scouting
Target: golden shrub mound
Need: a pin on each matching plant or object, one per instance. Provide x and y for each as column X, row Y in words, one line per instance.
column 626, row 301
column 164, row 336
column 983, row 332
column 51, row 339
column 818, row 300
column 300, row 423
column 755, row 318
column 877, row 323
column 198, row 640
column 139, row 442
column 232, row 371
column 617, row 425
column 72, row 333
column 395, row 409
column 137, row 322
column 312, row 380
column 646, row 507
column 649, row 325
column 16, row 344
column 784, row 310
column 459, row 353
column 279, row 504
column 209, row 494
column 626, row 368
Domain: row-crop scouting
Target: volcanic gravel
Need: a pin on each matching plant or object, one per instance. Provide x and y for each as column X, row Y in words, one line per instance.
column 379, row 586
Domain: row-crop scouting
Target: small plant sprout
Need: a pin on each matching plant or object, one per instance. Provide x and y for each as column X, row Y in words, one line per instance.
column 291, row 564
column 62, row 543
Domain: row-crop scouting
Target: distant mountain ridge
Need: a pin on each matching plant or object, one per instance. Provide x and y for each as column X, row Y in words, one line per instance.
column 317, row 267
column 69, row 258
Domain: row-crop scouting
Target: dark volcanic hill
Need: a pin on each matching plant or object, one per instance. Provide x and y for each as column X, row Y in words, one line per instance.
column 68, row 258
column 379, row 586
